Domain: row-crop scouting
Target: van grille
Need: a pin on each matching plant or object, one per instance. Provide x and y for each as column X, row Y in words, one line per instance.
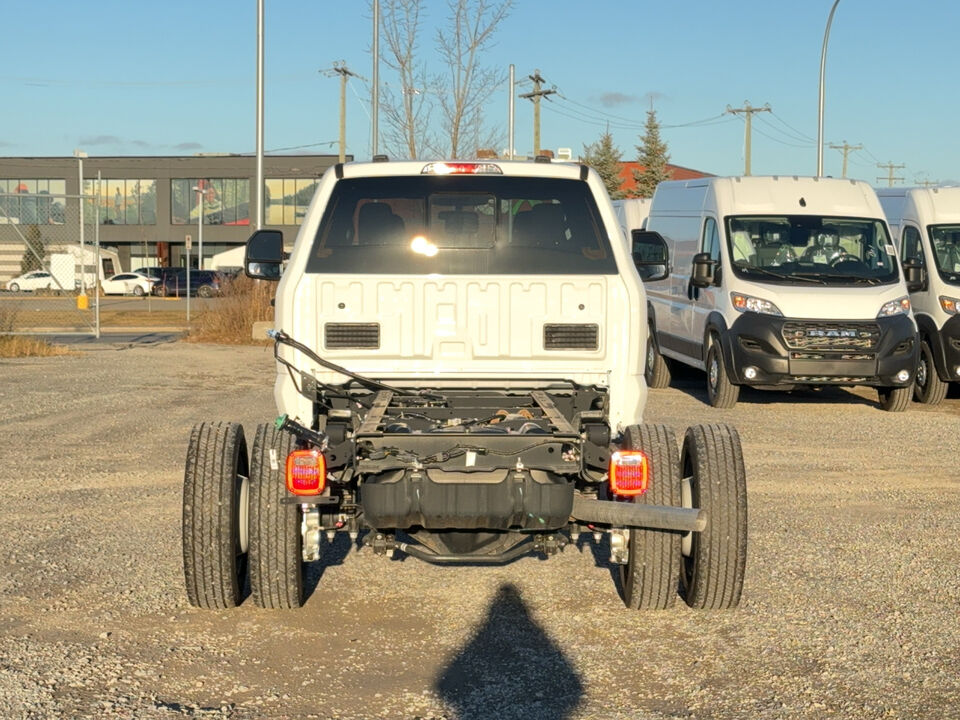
column 814, row 335
column 571, row 337
column 352, row 335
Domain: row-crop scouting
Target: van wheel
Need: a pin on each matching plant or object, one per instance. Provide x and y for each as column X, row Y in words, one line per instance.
column 276, row 555
column 714, row 480
column 656, row 370
column 895, row 399
column 929, row 388
column 214, row 515
column 720, row 391
column 650, row 577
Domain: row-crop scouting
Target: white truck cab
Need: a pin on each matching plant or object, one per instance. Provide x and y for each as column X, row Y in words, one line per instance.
column 925, row 223
column 778, row 282
column 460, row 378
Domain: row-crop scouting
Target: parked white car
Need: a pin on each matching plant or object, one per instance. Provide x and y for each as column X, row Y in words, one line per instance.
column 132, row 283
column 34, row 280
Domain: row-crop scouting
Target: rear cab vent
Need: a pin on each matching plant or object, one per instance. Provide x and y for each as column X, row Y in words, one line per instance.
column 563, row 336
column 352, row 335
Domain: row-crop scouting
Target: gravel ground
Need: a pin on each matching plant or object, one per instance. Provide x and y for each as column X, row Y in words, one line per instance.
column 850, row 607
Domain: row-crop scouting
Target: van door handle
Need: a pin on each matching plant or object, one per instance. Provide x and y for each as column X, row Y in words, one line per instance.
column 693, row 293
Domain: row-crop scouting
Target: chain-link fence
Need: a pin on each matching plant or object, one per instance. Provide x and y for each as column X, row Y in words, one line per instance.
column 51, row 264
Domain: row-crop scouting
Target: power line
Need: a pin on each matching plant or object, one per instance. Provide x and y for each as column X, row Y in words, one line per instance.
column 788, row 135
column 800, row 135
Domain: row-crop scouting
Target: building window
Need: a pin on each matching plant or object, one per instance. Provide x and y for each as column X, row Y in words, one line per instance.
column 23, row 201
column 122, row 201
column 226, row 201
column 285, row 200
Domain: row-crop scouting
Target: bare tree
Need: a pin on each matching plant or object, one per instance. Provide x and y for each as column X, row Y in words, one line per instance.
column 462, row 93
column 407, row 116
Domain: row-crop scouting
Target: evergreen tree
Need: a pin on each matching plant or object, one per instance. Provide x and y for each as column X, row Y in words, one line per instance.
column 653, row 157
column 604, row 157
column 33, row 252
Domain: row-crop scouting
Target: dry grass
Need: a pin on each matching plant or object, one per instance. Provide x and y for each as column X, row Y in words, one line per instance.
column 244, row 302
column 18, row 346
column 15, row 346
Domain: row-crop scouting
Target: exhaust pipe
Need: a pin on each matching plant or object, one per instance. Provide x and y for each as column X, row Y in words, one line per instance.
column 623, row 514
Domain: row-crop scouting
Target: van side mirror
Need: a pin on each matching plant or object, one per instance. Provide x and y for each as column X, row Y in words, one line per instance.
column 264, row 255
column 704, row 270
column 650, row 255
column 915, row 275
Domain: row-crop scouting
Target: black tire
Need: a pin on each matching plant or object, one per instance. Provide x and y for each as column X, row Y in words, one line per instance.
column 721, row 393
column 276, row 555
column 214, row 561
column 928, row 387
column 14, row 288
column 205, row 291
column 651, row 576
column 895, row 399
column 656, row 370
column 138, row 291
column 713, row 566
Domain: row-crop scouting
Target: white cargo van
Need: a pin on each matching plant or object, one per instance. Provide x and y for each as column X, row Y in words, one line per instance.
column 779, row 282
column 925, row 222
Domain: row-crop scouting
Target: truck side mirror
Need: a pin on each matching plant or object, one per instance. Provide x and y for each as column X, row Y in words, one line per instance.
column 915, row 275
column 704, row 268
column 650, row 255
column 264, row 255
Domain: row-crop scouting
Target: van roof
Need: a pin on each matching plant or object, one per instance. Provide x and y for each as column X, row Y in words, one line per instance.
column 934, row 205
column 761, row 194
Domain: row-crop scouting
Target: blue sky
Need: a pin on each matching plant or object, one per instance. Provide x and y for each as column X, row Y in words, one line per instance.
column 136, row 78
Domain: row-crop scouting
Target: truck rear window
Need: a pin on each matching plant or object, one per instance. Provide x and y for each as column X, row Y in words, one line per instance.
column 461, row 225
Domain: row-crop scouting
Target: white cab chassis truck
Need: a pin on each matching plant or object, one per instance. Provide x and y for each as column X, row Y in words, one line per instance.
column 926, row 224
column 459, row 353
column 778, row 282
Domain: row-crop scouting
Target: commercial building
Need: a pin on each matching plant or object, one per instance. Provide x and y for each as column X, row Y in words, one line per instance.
column 148, row 205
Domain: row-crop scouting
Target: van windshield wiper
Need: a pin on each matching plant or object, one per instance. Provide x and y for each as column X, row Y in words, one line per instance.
column 782, row 276
column 856, row 278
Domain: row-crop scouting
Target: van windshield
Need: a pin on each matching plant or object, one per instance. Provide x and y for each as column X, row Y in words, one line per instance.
column 945, row 241
column 461, row 225
column 803, row 248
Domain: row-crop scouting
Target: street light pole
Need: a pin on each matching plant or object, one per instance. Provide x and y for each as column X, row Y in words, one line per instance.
column 823, row 69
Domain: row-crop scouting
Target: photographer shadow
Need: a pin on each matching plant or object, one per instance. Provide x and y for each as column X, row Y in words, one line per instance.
column 510, row 668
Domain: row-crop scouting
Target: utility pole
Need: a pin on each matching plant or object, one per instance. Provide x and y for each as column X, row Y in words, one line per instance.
column 928, row 183
column 748, row 110
column 890, row 167
column 535, row 96
column 846, row 149
column 340, row 68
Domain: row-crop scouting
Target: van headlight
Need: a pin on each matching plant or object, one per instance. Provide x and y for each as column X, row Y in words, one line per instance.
column 900, row 306
column 951, row 306
column 746, row 303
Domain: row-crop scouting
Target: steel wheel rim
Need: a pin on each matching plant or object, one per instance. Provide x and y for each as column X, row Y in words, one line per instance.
column 713, row 372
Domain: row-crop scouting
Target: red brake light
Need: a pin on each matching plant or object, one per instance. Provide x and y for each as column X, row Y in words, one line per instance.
column 629, row 473
column 461, row 168
column 306, row 472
